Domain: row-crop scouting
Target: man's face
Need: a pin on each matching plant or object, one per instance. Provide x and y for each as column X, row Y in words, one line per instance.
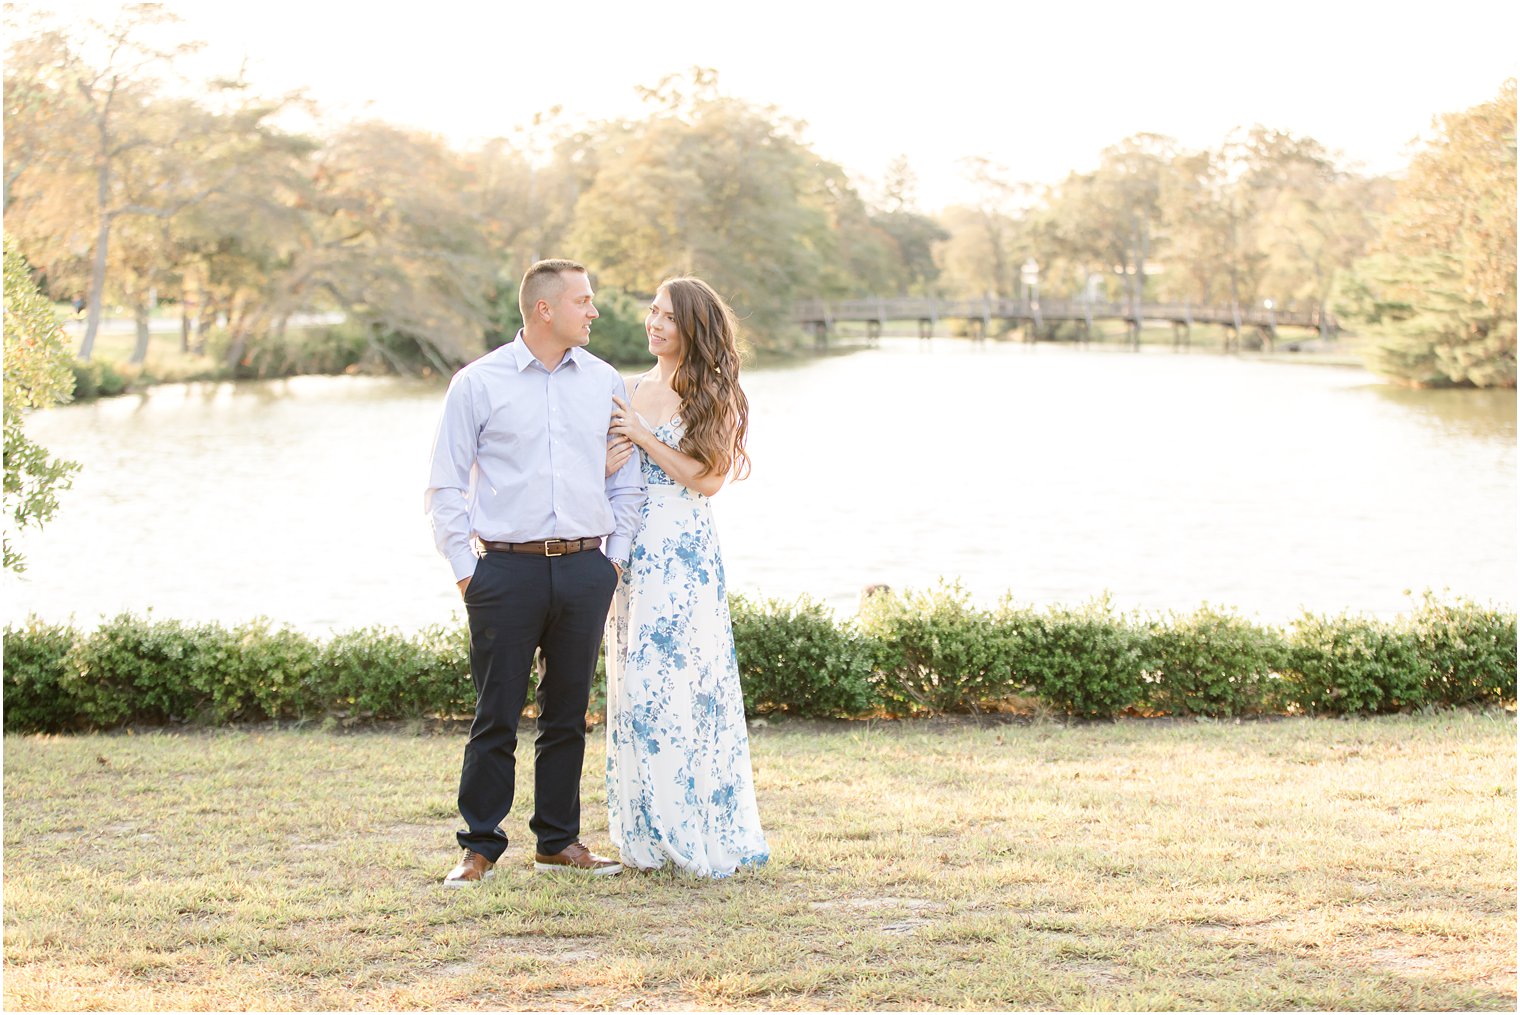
column 573, row 310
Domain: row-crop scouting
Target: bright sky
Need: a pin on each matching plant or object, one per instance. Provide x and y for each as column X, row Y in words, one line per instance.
column 1041, row 88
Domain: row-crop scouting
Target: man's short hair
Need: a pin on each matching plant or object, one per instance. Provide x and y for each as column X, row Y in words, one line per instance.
column 543, row 282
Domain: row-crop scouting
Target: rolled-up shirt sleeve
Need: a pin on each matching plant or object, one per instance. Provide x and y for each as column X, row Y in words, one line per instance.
column 626, row 493
column 451, row 475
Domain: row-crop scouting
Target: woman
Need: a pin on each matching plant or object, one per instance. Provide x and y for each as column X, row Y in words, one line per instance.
column 679, row 785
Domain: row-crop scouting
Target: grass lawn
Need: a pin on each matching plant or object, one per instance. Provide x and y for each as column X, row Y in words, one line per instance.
column 165, row 363
column 1288, row 864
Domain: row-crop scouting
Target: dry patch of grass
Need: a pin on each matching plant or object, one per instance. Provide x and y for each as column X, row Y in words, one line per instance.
column 1294, row 864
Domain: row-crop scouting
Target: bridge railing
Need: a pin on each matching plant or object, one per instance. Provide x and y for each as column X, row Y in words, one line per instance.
column 882, row 309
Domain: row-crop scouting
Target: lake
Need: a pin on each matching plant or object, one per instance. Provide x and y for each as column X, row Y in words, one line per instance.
column 1052, row 473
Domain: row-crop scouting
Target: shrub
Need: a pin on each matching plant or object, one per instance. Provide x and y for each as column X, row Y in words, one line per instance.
column 272, row 673
column 36, row 698
column 794, row 658
column 137, row 669
column 936, row 653
column 447, row 679
column 618, row 335
column 305, row 350
column 1468, row 652
column 1085, row 662
column 96, row 379
column 380, row 673
column 1350, row 664
column 1211, row 663
column 924, row 652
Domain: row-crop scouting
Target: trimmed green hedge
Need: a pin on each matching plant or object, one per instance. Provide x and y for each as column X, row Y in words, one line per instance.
column 907, row 653
column 794, row 658
column 935, row 652
column 1212, row 663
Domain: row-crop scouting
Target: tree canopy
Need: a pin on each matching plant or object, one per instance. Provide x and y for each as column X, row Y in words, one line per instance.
column 1440, row 281
column 37, row 375
column 123, row 191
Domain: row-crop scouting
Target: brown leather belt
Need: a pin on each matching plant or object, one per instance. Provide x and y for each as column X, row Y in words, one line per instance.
column 544, row 547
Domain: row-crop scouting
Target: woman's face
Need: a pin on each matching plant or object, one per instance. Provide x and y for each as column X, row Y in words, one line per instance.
column 664, row 337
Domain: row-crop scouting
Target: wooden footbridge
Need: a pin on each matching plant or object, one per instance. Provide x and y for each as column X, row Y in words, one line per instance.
column 1039, row 317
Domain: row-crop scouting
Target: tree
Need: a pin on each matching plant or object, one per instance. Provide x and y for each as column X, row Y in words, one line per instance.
column 521, row 213
column 1311, row 219
column 1440, row 283
column 37, row 375
column 1207, row 252
column 388, row 231
column 1075, row 234
column 223, row 253
column 1129, row 180
column 1112, row 220
column 988, row 240
column 912, row 233
column 108, row 124
column 974, row 258
column 714, row 186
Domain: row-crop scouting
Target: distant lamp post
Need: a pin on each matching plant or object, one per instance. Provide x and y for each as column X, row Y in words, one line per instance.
column 1031, row 276
column 1271, row 313
column 1092, row 287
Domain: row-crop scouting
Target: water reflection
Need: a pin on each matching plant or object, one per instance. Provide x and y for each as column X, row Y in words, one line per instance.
column 1488, row 415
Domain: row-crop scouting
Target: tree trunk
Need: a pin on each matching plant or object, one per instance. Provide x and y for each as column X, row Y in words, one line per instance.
column 189, row 303
column 236, row 321
column 142, row 312
column 203, row 323
column 235, row 350
column 97, row 275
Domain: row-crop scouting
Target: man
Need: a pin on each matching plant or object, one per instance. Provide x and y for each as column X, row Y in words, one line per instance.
column 518, row 469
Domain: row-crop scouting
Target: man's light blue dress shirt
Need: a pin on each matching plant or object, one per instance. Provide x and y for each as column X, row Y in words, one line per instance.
column 521, row 455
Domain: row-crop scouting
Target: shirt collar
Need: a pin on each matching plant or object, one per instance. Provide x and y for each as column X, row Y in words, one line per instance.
column 523, row 358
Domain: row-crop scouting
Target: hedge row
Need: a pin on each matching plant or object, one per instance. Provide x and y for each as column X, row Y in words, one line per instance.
column 905, row 654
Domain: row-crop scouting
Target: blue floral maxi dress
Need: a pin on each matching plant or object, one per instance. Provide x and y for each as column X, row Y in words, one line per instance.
column 679, row 784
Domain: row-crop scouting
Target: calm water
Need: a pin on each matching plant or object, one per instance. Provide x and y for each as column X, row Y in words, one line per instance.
column 1053, row 473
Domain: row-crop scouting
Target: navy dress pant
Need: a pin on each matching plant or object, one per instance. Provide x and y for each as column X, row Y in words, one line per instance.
column 520, row 603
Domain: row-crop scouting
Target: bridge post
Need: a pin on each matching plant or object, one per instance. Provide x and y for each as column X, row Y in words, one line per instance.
column 873, row 334
column 925, row 329
column 1182, row 335
column 820, row 336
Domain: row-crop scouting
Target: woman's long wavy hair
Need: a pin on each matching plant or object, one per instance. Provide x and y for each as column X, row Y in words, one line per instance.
column 713, row 406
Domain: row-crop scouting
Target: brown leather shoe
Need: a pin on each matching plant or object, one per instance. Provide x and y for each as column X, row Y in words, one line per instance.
column 472, row 870
column 576, row 858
